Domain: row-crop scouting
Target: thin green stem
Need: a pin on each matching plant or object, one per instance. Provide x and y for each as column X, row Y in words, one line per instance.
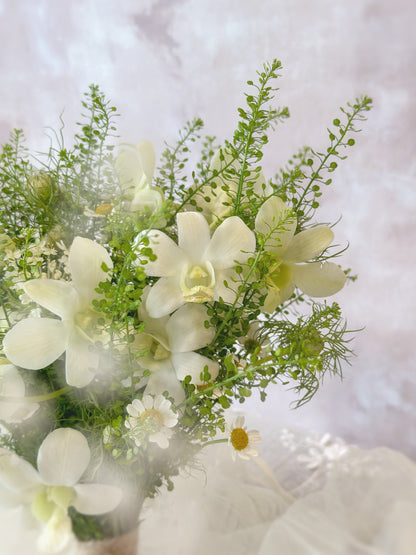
column 36, row 398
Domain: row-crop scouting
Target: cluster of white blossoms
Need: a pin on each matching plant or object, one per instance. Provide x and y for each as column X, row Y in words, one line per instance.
column 210, row 262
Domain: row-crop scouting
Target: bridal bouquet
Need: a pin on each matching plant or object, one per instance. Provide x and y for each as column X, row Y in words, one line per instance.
column 140, row 301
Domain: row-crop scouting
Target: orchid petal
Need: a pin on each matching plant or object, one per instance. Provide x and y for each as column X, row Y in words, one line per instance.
column 63, row 457
column 59, row 297
column 147, row 158
column 85, row 263
column 96, row 499
column 12, row 385
column 164, row 297
column 81, row 361
column 186, row 330
column 308, row 244
column 170, row 258
column 34, row 343
column 16, row 474
column 231, row 241
column 193, row 234
column 192, row 364
column 273, row 221
column 165, row 380
column 57, row 533
column 227, row 292
column 319, row 280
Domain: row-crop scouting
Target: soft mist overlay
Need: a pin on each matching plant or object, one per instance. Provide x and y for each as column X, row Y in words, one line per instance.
column 163, row 62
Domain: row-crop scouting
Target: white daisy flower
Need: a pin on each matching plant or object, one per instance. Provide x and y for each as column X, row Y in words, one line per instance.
column 243, row 442
column 152, row 417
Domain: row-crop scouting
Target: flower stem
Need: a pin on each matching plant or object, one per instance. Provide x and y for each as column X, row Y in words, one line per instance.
column 36, row 398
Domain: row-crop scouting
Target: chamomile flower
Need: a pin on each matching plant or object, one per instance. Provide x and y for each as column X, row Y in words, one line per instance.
column 243, row 442
column 151, row 418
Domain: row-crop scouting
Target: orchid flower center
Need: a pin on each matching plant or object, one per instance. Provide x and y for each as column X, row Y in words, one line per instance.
column 279, row 275
column 151, row 420
column 86, row 324
column 239, row 439
column 198, row 283
column 158, row 351
column 50, row 500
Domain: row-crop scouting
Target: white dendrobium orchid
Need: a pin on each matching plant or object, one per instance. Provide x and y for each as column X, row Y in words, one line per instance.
column 217, row 203
column 34, row 343
column 135, row 167
column 13, row 408
column 243, row 442
column 48, row 492
column 197, row 268
column 289, row 251
column 151, row 418
column 168, row 344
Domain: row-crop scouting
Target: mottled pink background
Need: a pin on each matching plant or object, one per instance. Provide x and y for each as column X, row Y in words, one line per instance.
column 165, row 61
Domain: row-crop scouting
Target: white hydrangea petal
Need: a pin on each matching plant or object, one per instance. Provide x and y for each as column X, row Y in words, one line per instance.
column 186, row 330
column 319, row 280
column 59, row 297
column 96, row 499
column 193, row 234
column 307, row 244
column 272, row 220
column 192, row 364
column 231, row 241
column 16, row 474
column 164, row 297
column 165, row 380
column 63, row 457
column 170, row 258
column 34, row 343
column 81, row 361
column 85, row 262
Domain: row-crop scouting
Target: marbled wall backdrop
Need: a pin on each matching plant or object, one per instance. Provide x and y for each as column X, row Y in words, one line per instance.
column 165, row 61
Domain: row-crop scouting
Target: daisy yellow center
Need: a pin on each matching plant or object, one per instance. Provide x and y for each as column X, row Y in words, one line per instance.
column 198, row 283
column 151, row 420
column 239, row 439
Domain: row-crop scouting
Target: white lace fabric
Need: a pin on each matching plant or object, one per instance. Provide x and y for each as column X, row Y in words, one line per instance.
column 336, row 500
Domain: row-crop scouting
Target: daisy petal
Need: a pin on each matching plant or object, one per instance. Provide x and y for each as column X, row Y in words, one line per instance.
column 309, row 243
column 186, row 330
column 192, row 364
column 231, row 241
column 59, row 297
column 81, row 361
column 193, row 234
column 272, row 218
column 319, row 280
column 16, row 474
column 34, row 343
column 85, row 262
column 63, row 457
column 164, row 297
column 96, row 499
column 170, row 258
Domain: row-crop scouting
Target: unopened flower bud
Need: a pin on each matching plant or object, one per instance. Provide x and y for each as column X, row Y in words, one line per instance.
column 41, row 187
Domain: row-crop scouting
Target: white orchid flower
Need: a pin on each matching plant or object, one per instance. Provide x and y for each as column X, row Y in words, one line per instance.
column 290, row 251
column 135, row 167
column 169, row 343
column 34, row 343
column 47, row 493
column 217, row 203
column 13, row 408
column 151, row 418
column 197, row 268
